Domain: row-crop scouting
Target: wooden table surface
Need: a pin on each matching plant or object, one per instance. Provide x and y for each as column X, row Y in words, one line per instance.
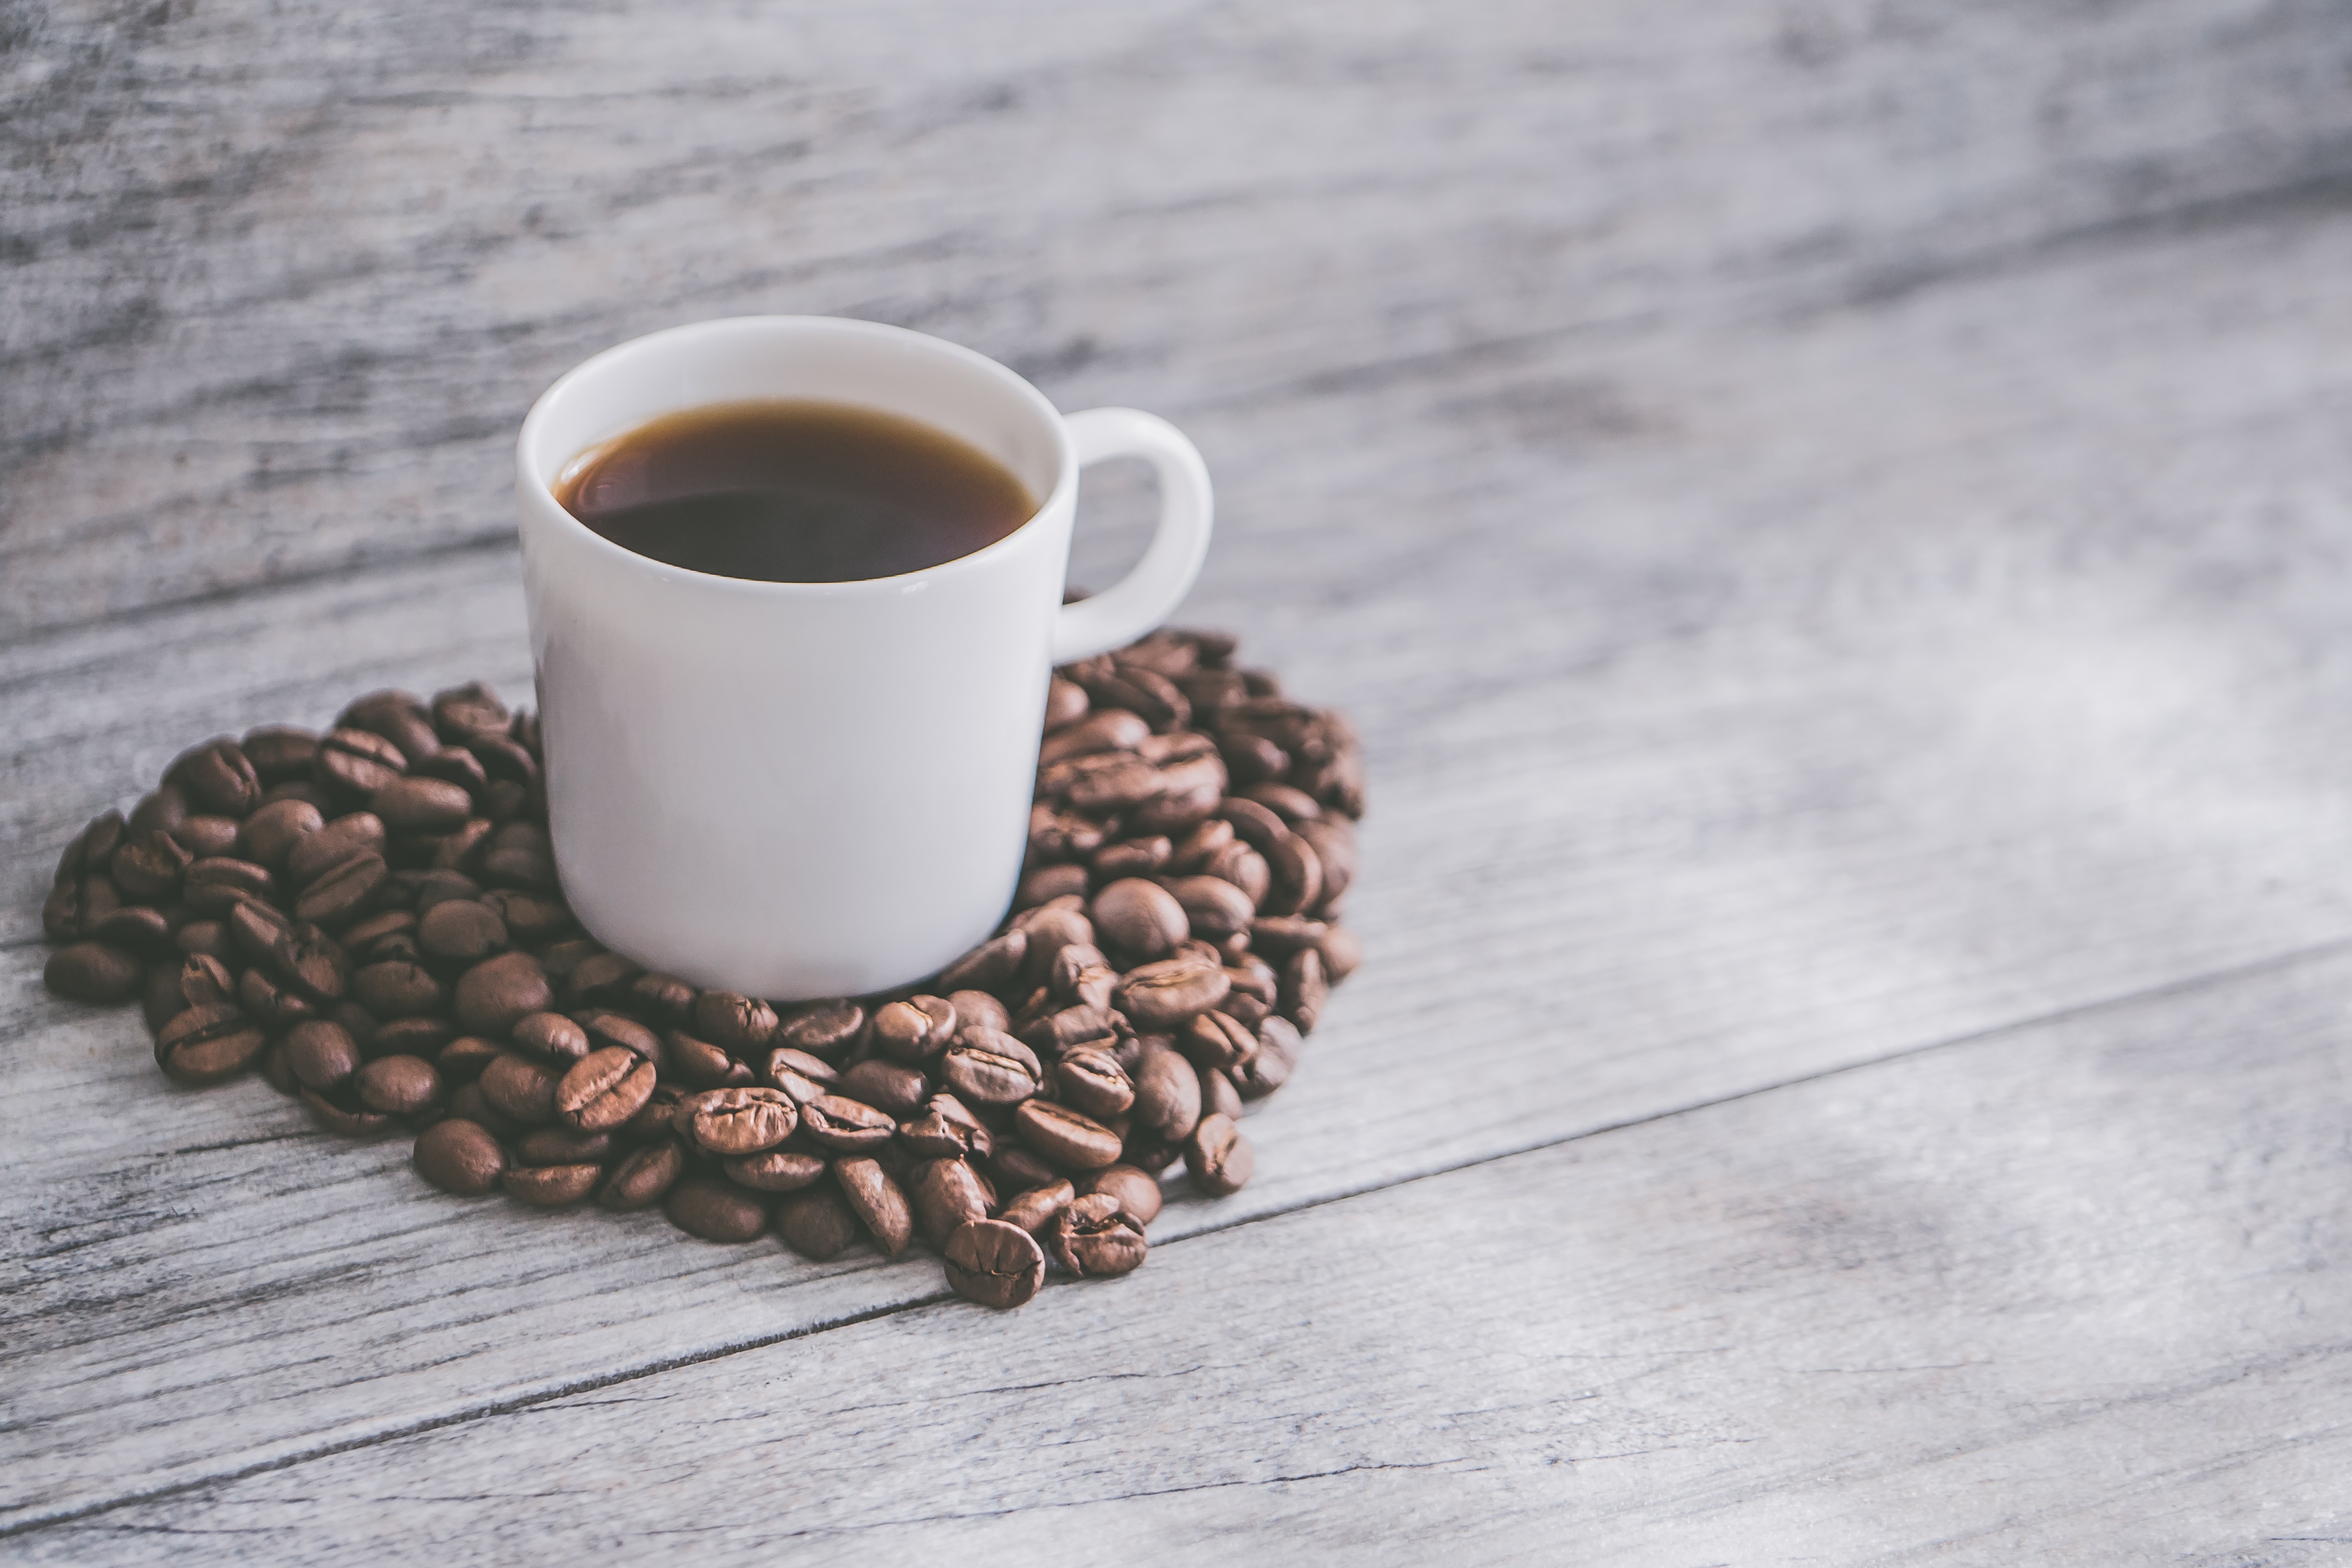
column 1833, row 518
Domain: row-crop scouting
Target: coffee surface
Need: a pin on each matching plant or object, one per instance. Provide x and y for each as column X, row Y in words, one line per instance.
column 794, row 490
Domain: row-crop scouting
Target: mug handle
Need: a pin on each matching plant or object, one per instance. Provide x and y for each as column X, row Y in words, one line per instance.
column 1143, row 598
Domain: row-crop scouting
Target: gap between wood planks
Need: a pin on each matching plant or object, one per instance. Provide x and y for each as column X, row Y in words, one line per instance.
column 2276, row 963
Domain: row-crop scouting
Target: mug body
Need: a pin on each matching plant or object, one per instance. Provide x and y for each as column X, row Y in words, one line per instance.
column 792, row 790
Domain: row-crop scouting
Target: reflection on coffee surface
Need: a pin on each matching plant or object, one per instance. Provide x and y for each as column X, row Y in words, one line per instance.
column 794, row 490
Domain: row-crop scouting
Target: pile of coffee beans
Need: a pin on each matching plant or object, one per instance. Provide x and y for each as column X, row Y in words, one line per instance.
column 371, row 918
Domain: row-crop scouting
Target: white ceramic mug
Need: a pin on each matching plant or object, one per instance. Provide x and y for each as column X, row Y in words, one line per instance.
column 816, row 789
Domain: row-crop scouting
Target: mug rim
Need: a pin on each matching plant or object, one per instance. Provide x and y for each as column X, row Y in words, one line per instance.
column 606, row 359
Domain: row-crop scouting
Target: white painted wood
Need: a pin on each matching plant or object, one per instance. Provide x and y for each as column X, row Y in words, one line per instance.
column 2074, row 1294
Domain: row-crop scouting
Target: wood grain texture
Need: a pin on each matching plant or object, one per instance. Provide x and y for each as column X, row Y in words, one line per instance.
column 1831, row 519
column 2074, row 1294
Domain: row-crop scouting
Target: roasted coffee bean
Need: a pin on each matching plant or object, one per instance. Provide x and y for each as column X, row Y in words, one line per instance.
column 518, row 854
column 400, row 716
column 1298, row 877
column 1138, row 919
column 453, row 765
column 397, row 990
column 549, row 1035
column 398, row 1086
column 279, row 751
column 730, row 1122
column 151, row 866
column 1217, row 1040
column 1167, row 1097
column 987, row 1066
column 322, row 1054
column 993, row 963
column 1218, row 1095
column 643, row 1177
column 603, row 1089
column 207, row 835
column 801, row 1076
column 1149, row 1153
column 733, row 1022
column 1166, row 995
column 701, row 1065
column 1050, row 929
column 1199, row 847
column 1189, row 791
column 521, row 1088
column 136, row 929
column 1214, row 908
column 656, row 1118
column 1217, row 1157
column 1278, row 1048
column 313, row 854
column 1046, row 883
column 663, row 998
column 915, row 1030
column 1275, row 937
column 817, row 1224
column 380, row 936
column 1112, row 730
column 268, row 835
column 1255, row 825
column 600, row 981
column 1334, row 843
column 1068, row 1137
column 342, row 892
column 827, row 1029
column 461, row 931
column 776, row 1170
column 550, row 1186
column 1066, row 704
column 466, row 1100
column 274, row 1007
column 1035, row 1209
column 345, row 1121
column 298, row 789
column 506, row 760
column 563, row 1146
column 715, row 1210
column 93, row 971
column 1304, row 989
column 1081, row 977
column 1016, row 1169
column 1293, row 805
column 894, row 1087
column 529, row 918
column 1245, row 869
column 980, row 1010
column 1094, row 1082
column 412, row 1037
column 994, row 1264
column 355, row 763
column 877, row 1202
column 208, row 1045
column 1095, row 1238
column 1131, row 857
column 606, row 1028
column 162, row 810
column 464, row 711
column 220, row 778
column 1137, row 1192
column 1341, row 953
column 207, row 937
column 460, row 1157
column 847, row 1125
column 1068, row 1029
column 944, row 1193
column 945, row 1128
column 496, row 994
column 1251, row 758
column 462, row 1059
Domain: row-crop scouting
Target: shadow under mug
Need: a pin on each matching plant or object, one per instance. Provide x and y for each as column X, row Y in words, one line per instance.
column 798, row 790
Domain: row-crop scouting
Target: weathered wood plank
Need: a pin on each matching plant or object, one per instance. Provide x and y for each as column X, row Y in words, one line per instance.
column 277, row 294
column 1758, row 754
column 2072, row 1294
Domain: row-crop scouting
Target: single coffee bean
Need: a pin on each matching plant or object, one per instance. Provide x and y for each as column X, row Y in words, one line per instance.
column 421, row 1037
column 1275, row 937
column 208, row 1045
column 322, row 1054
column 1070, row 1138
column 1217, row 1040
column 985, row 1066
column 1082, row 977
column 521, row 1088
column 1200, row 846
column 462, row 1059
column 889, row 1086
column 354, row 764
column 207, row 937
column 1139, row 919
column 654, row 1119
column 1070, row 1030
column 550, row 1186
column 1170, row 993
column 460, row 1157
column 818, row 1223
column 993, row 963
column 397, row 989
column 1218, row 1095
column 606, row 1028
column 945, row 1193
column 400, row 716
column 643, row 1177
column 827, row 1029
column 1066, row 704
column 1217, row 1157
column 274, row 1007
column 1279, row 1049
column 506, row 760
column 1035, row 1209
column 1167, row 1096
column 380, row 936
column 454, row 765
column 1114, row 730
column 496, row 994
column 151, row 866
column 134, row 928
column 464, row 711
column 801, row 1076
column 1213, row 907
column 1016, row 1169
column 701, row 1065
column 1100, row 784
column 847, row 1125
column 600, row 981
column 207, row 835
column 715, row 1210
column 461, row 931
column 914, row 1030
column 1046, row 883
column 268, row 835
column 1342, row 951
column 735, row 1023
column 1304, row 989
column 1298, row 877
column 877, row 1202
column 727, row 1121
column 345, row 1121
column 994, row 1264
column 314, row 854
column 531, row 870
column 603, row 1089
column 280, row 752
column 549, row 1035
column 1131, row 857
column 530, row 920
column 776, row 1170
column 342, row 892
column 563, row 1146
column 219, row 778
column 1256, row 825
column 468, row 1102
column 1049, row 929
column 1245, row 869
column 398, row 1086
column 1333, row 839
column 93, row 971
column 946, row 1128
column 1138, row 1191
column 1094, row 1082
column 664, row 998
column 980, row 1010
column 1095, row 1238
column 1055, row 834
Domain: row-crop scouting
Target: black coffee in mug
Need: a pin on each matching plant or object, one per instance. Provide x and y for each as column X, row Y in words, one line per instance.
column 794, row 490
